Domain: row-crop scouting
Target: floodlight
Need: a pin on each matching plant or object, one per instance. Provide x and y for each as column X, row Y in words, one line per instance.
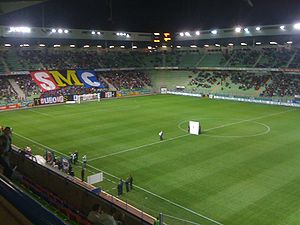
column 230, row 44
column 60, row 31
column 187, row 34
column 56, row 46
column 20, row 30
column 99, row 46
column 128, row 35
column 206, row 46
column 164, row 46
column 66, row 31
column 72, row 46
column 258, row 43
column 214, row 32
column 86, row 46
column 217, row 45
column 98, row 33
column 178, row 46
column 26, row 45
column 42, row 45
column 238, row 29
column 193, row 46
column 197, row 33
column 289, row 42
column 134, row 47
column 122, row 46
column 297, row 26
column 111, row 46
column 53, row 30
column 247, row 30
column 258, row 28
column 244, row 44
column 181, row 34
column 282, row 27
column 21, row 46
column 273, row 43
column 156, row 34
column 93, row 32
column 7, row 45
column 149, row 47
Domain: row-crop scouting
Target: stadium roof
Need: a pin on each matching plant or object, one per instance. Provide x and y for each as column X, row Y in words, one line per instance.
column 10, row 6
column 154, row 16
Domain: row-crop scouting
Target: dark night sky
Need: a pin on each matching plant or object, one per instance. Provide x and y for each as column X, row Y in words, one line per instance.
column 156, row 15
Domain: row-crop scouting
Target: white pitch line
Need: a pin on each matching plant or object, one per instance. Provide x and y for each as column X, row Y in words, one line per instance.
column 145, row 190
column 249, row 120
column 138, row 147
column 159, row 142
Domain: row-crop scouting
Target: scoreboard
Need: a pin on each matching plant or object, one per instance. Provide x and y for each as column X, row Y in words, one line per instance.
column 164, row 38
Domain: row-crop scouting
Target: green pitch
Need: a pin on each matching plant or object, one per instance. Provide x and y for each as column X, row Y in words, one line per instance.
column 243, row 170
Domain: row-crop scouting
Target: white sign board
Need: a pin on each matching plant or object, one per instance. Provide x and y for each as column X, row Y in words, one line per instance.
column 96, row 178
column 194, row 127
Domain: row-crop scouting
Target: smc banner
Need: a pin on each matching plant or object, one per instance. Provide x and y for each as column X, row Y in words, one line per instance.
column 54, row 79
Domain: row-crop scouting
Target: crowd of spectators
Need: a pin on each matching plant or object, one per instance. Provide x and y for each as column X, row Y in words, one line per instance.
column 208, row 79
column 49, row 58
column 7, row 93
column 127, row 80
column 244, row 57
column 283, row 85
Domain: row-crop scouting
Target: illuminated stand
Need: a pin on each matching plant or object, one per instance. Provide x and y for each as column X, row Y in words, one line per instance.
column 194, row 128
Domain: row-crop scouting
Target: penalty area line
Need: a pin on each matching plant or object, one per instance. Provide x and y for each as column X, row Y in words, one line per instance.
column 138, row 187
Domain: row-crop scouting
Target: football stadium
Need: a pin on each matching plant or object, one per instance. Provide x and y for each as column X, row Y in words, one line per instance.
column 197, row 126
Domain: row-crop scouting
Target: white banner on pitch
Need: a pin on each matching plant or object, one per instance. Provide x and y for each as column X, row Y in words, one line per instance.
column 96, row 178
column 194, row 127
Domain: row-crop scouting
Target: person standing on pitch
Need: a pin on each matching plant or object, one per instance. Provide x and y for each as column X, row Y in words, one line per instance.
column 161, row 135
column 130, row 179
column 127, row 184
column 82, row 173
column 75, row 157
column 84, row 160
